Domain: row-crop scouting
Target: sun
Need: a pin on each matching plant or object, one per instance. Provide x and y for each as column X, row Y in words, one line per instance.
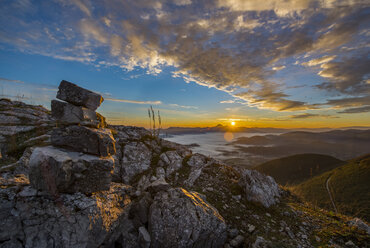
column 233, row 123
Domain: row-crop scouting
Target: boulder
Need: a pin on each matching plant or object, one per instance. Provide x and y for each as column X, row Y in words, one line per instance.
column 32, row 219
column 55, row 170
column 84, row 139
column 136, row 159
column 179, row 218
column 259, row 188
column 76, row 95
column 71, row 114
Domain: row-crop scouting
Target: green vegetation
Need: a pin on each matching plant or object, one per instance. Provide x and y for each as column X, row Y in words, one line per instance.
column 296, row 169
column 349, row 185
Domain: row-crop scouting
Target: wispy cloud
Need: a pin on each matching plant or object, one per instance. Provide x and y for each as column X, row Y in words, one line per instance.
column 11, row 81
column 363, row 109
column 309, row 115
column 228, row 101
column 133, row 101
column 182, row 106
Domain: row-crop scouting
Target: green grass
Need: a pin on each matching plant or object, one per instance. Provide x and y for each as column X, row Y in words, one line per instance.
column 296, row 169
column 349, row 185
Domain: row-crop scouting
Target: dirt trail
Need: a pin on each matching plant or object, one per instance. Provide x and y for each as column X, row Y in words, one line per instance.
column 330, row 195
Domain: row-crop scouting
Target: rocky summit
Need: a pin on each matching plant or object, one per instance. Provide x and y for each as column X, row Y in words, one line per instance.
column 80, row 182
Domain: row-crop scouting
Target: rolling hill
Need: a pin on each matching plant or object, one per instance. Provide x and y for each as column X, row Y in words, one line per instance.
column 349, row 186
column 296, row 169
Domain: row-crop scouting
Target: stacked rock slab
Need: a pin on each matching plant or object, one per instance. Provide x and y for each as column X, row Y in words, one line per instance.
column 79, row 159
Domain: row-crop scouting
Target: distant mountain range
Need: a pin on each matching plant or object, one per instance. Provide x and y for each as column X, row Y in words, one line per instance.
column 224, row 128
column 342, row 144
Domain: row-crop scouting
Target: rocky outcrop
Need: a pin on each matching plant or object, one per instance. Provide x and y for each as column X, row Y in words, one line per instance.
column 29, row 218
column 56, row 170
column 78, row 96
column 62, row 168
column 170, row 160
column 179, row 218
column 260, row 188
column 162, row 194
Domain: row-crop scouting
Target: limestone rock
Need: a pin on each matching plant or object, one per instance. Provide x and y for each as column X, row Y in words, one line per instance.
column 179, row 218
column 136, row 159
column 71, row 114
column 72, row 220
column 76, row 95
column 196, row 162
column 259, row 188
column 170, row 160
column 84, row 139
column 56, row 170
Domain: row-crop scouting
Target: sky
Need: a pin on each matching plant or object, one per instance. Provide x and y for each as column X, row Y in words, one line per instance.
column 301, row 63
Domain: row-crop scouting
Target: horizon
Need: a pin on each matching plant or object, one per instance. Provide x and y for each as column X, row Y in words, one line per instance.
column 284, row 64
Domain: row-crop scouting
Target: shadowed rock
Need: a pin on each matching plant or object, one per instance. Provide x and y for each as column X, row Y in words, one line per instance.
column 259, row 188
column 178, row 218
column 55, row 170
column 84, row 139
column 76, row 95
column 31, row 219
column 70, row 114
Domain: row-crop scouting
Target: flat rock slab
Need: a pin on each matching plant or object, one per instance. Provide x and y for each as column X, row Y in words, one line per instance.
column 76, row 95
column 84, row 139
column 71, row 114
column 60, row 171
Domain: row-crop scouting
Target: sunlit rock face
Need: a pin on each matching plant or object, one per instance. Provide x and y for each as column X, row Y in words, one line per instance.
column 179, row 218
column 29, row 218
column 260, row 188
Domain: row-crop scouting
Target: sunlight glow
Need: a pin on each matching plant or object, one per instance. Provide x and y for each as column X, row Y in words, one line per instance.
column 233, row 123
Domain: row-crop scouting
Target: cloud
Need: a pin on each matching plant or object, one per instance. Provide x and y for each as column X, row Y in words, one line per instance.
column 349, row 102
column 83, row 6
column 309, row 115
column 319, row 61
column 363, row 109
column 133, row 101
column 228, row 101
column 278, row 68
column 182, row 106
column 229, row 45
column 11, row 81
column 347, row 76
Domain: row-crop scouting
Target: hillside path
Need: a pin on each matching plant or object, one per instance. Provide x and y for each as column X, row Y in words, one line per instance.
column 330, row 195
